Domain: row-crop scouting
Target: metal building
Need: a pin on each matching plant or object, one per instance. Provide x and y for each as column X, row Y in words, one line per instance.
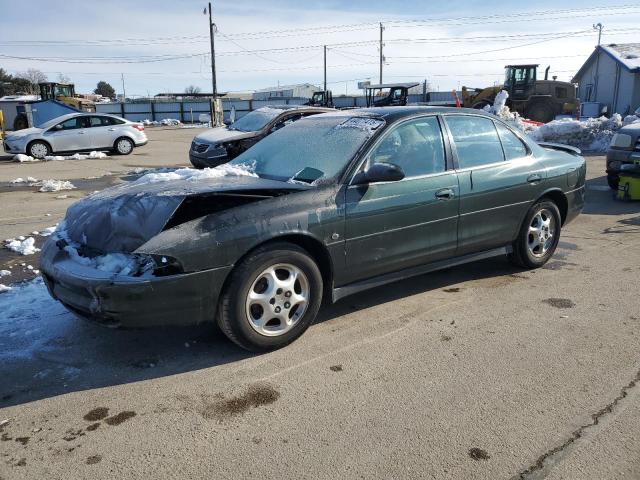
column 610, row 79
column 302, row 90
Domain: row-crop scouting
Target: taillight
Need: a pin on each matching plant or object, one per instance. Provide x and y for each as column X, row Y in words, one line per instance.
column 138, row 127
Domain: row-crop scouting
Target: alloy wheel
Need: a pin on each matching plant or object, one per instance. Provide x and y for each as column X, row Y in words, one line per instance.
column 541, row 233
column 277, row 299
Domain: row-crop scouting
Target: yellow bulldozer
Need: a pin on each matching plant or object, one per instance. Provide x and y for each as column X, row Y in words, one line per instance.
column 65, row 93
column 539, row 100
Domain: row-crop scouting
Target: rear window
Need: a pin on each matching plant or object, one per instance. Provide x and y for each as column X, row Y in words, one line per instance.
column 513, row 146
column 476, row 140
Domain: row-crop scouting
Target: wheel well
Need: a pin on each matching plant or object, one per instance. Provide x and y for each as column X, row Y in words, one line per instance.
column 41, row 141
column 115, row 142
column 316, row 250
column 560, row 200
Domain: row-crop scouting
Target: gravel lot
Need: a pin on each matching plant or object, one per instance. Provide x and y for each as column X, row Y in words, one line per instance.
column 482, row 371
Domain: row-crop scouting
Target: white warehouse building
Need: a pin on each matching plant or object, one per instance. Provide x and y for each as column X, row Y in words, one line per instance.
column 302, row 90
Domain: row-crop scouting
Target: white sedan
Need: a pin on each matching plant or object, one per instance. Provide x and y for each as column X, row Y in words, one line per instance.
column 77, row 132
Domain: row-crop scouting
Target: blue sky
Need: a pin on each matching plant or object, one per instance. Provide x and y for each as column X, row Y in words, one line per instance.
column 418, row 43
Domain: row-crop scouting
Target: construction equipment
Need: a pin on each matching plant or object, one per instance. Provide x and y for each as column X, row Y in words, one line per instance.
column 65, row 93
column 321, row 99
column 388, row 94
column 539, row 100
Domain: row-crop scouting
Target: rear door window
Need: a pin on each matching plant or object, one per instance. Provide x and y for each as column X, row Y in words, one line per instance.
column 513, row 146
column 476, row 140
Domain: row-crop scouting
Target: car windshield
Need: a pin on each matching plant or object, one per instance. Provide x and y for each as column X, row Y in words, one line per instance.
column 313, row 148
column 255, row 120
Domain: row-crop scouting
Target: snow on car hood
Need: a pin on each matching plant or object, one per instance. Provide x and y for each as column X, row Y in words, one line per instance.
column 222, row 134
column 24, row 132
column 124, row 217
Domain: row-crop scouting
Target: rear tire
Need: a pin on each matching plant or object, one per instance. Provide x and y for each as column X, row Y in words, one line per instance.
column 538, row 236
column 272, row 297
column 613, row 181
column 540, row 112
column 38, row 149
column 123, row 146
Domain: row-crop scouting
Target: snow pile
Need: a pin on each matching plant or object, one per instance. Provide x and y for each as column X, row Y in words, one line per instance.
column 629, row 119
column 4, row 288
column 500, row 110
column 56, row 185
column 115, row 263
column 21, row 245
column 4, row 273
column 591, row 135
column 194, row 175
column 170, row 121
column 22, row 158
column 24, row 180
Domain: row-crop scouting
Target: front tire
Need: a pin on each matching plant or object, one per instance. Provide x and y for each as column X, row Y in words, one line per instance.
column 272, row 297
column 538, row 236
column 39, row 149
column 124, row 146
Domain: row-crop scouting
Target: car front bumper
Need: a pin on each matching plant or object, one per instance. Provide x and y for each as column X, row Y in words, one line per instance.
column 202, row 161
column 616, row 158
column 183, row 299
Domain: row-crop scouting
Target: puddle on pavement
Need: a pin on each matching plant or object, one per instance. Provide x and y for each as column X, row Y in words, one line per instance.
column 560, row 302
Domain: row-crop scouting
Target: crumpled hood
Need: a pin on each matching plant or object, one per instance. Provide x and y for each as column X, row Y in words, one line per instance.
column 23, row 133
column 222, row 134
column 124, row 217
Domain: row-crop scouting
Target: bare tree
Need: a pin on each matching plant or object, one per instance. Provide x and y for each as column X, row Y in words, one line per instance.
column 62, row 78
column 33, row 76
column 191, row 89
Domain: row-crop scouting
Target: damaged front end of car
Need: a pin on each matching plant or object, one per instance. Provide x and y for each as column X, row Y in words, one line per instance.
column 96, row 264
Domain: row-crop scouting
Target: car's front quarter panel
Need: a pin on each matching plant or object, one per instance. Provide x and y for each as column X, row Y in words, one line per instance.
column 221, row 239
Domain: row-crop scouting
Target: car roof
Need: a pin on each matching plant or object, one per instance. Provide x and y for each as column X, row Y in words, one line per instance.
column 67, row 116
column 297, row 107
column 394, row 113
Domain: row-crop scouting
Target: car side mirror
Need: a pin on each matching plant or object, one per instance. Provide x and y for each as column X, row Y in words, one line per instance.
column 379, row 172
column 57, row 127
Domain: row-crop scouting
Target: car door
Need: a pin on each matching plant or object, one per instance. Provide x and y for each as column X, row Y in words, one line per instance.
column 70, row 135
column 499, row 178
column 395, row 225
column 102, row 132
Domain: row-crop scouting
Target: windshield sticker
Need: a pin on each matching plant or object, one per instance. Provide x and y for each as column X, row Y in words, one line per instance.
column 362, row 123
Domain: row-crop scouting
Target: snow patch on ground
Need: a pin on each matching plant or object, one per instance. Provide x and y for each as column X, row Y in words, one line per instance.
column 30, row 320
column 194, row 175
column 56, row 185
column 21, row 245
column 22, row 158
column 48, row 231
column 4, row 273
column 500, row 110
column 4, row 288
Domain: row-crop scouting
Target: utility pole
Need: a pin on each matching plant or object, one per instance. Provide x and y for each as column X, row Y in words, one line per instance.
column 381, row 55
column 325, row 69
column 213, row 55
column 124, row 92
column 599, row 27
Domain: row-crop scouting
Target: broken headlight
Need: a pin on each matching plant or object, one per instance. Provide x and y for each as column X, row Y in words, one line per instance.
column 165, row 265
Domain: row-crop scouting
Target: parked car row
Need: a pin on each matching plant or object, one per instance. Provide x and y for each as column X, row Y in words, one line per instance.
column 330, row 205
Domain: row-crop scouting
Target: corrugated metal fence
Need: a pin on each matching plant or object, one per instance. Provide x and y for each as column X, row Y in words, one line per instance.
column 188, row 111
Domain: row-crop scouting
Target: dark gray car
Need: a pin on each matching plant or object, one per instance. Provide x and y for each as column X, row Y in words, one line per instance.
column 326, row 207
column 222, row 144
column 624, row 149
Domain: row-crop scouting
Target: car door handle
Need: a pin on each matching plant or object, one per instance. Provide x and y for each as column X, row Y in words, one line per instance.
column 81, row 132
column 112, row 129
column 445, row 194
column 534, row 178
